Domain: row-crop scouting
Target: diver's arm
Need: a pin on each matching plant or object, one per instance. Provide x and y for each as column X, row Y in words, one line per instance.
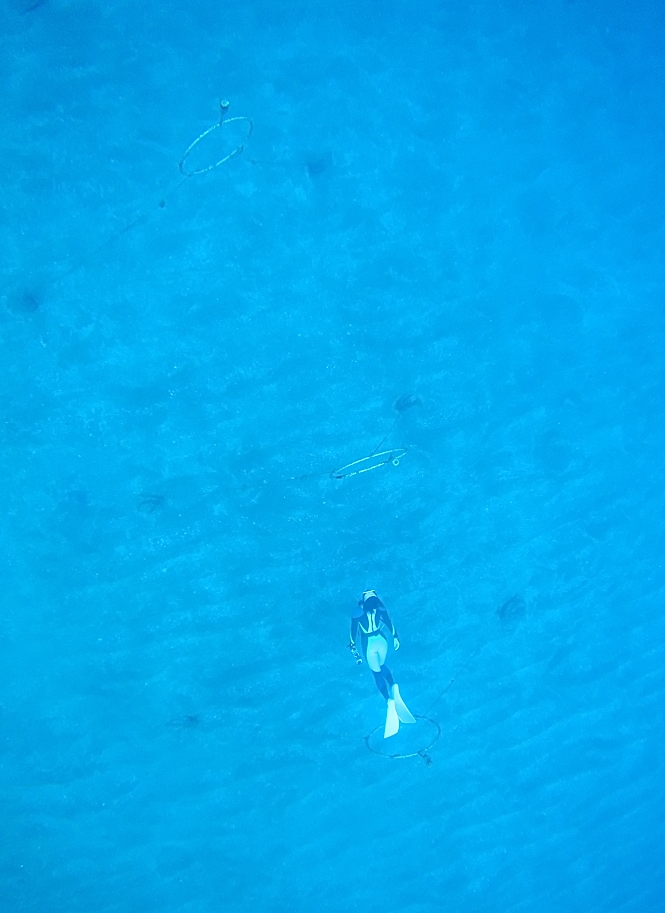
column 352, row 643
column 385, row 618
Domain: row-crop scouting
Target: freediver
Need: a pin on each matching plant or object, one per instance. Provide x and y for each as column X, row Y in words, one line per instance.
column 372, row 620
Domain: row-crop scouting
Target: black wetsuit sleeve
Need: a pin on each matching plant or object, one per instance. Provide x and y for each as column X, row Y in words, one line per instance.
column 354, row 629
column 385, row 618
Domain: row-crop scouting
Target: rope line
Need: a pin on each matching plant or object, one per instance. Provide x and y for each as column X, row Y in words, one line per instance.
column 223, row 122
column 418, row 753
column 452, row 681
column 357, row 467
column 149, row 209
column 365, row 464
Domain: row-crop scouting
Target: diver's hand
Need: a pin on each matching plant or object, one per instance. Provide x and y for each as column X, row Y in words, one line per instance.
column 354, row 653
column 396, row 643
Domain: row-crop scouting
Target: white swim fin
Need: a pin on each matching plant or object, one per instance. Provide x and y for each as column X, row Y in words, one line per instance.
column 392, row 720
column 403, row 712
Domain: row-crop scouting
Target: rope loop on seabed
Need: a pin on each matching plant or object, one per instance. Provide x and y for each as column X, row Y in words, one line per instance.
column 418, row 753
column 366, row 464
column 224, row 121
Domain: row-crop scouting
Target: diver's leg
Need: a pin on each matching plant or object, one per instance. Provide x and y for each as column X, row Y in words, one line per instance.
column 377, row 650
column 381, row 684
column 381, row 651
column 376, row 653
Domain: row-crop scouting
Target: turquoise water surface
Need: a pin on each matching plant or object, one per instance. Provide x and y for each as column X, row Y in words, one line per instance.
column 444, row 234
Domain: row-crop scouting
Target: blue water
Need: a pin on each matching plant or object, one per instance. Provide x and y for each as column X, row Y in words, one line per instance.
column 458, row 202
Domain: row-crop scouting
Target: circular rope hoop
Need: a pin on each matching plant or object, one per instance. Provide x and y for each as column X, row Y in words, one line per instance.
column 223, row 122
column 435, row 735
column 366, row 464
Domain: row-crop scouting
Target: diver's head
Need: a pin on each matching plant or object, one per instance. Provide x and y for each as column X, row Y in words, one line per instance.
column 367, row 595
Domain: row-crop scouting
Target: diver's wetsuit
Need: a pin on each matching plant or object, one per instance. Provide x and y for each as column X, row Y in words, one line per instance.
column 370, row 618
